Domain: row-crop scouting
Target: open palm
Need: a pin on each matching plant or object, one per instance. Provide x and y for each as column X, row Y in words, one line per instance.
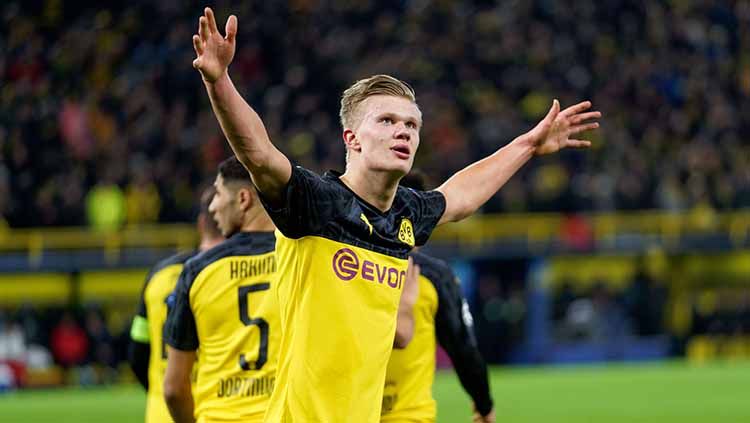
column 554, row 132
column 214, row 51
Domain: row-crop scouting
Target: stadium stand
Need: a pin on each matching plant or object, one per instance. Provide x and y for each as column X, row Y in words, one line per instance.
column 102, row 114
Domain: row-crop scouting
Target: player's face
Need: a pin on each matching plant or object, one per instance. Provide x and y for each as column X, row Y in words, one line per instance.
column 388, row 133
column 225, row 209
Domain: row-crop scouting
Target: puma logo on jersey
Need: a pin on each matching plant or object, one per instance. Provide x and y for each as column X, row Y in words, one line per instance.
column 406, row 232
column 367, row 222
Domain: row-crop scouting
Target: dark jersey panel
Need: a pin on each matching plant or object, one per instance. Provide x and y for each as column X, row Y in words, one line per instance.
column 429, row 206
column 179, row 258
column 309, row 202
column 455, row 332
column 326, row 207
column 180, row 331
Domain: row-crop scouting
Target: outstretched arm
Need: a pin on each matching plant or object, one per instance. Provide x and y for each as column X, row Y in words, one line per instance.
column 471, row 187
column 242, row 126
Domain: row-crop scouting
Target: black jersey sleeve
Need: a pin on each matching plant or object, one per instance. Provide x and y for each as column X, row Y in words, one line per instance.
column 308, row 203
column 139, row 348
column 138, row 357
column 180, row 331
column 455, row 333
column 428, row 207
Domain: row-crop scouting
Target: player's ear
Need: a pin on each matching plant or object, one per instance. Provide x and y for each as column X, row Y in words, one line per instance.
column 245, row 198
column 350, row 140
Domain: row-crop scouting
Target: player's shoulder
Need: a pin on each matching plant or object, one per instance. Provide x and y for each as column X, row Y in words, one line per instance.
column 305, row 173
column 436, row 270
column 424, row 206
column 328, row 181
column 326, row 191
column 411, row 195
column 176, row 259
column 239, row 244
column 331, row 181
column 407, row 195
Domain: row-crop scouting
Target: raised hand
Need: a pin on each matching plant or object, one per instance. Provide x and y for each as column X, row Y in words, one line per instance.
column 554, row 132
column 214, row 51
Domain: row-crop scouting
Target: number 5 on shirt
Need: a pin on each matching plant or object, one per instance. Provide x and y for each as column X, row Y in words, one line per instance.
column 243, row 293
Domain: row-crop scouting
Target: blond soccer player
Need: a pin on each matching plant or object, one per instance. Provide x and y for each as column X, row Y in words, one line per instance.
column 343, row 239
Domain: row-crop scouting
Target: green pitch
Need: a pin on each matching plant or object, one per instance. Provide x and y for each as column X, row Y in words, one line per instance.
column 672, row 392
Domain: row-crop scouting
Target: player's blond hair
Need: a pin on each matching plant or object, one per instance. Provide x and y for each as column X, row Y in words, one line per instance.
column 368, row 87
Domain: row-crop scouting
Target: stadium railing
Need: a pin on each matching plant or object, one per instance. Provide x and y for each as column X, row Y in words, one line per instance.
column 528, row 233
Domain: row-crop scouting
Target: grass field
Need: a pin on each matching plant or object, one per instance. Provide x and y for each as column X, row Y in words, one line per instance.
column 672, row 392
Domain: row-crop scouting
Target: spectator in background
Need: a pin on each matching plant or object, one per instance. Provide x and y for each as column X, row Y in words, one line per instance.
column 596, row 316
column 142, row 197
column 563, row 298
column 671, row 75
column 101, row 352
column 609, row 317
column 105, row 206
column 4, row 190
column 501, row 317
column 645, row 302
column 12, row 342
column 12, row 354
column 69, row 343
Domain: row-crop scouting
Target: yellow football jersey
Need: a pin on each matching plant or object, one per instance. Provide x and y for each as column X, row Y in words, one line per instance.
column 342, row 265
column 440, row 313
column 148, row 327
column 407, row 395
column 226, row 305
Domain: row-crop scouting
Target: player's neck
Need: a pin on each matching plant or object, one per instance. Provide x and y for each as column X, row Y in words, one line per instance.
column 377, row 188
column 256, row 220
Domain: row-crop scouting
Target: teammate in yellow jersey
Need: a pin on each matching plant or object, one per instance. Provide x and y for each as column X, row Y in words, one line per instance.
column 147, row 352
column 440, row 314
column 225, row 305
column 343, row 239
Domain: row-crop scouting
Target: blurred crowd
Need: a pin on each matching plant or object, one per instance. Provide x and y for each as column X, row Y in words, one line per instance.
column 601, row 312
column 87, row 344
column 77, row 341
column 645, row 307
column 103, row 120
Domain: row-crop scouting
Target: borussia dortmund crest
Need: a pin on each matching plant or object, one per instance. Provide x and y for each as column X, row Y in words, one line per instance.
column 406, row 232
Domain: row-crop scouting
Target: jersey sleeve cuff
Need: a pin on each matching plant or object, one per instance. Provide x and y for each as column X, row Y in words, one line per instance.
column 182, row 346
